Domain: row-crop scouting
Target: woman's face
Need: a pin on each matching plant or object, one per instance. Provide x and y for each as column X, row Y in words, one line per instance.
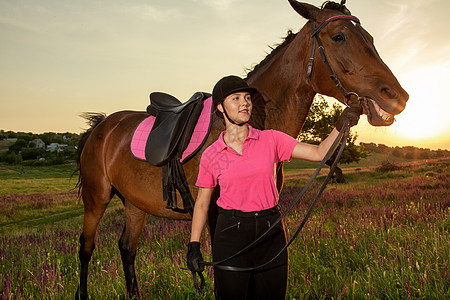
column 238, row 106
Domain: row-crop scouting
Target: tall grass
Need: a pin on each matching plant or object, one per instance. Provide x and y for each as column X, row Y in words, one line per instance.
column 389, row 239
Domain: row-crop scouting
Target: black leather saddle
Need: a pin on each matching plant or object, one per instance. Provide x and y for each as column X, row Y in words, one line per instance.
column 169, row 137
column 173, row 127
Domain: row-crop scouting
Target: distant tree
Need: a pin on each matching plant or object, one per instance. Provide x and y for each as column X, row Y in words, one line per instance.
column 370, row 147
column 32, row 153
column 70, row 138
column 51, row 137
column 382, row 148
column 320, row 121
column 442, row 153
column 18, row 145
column 11, row 134
column 55, row 158
column 409, row 155
column 397, row 152
column 27, row 136
column 13, row 158
column 319, row 124
column 424, row 154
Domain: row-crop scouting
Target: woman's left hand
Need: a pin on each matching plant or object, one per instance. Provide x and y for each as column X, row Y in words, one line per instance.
column 351, row 115
column 194, row 258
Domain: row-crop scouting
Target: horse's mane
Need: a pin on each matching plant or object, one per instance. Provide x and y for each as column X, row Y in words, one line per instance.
column 336, row 6
column 290, row 37
column 287, row 40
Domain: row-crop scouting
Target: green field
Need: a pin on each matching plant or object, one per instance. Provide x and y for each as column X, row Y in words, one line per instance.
column 384, row 235
column 4, row 145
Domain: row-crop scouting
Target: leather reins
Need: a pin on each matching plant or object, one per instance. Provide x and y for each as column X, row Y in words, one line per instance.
column 343, row 136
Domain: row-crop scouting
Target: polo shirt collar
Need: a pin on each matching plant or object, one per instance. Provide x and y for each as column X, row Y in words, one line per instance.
column 220, row 144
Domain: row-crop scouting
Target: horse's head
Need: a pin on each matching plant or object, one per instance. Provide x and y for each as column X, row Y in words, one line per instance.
column 353, row 58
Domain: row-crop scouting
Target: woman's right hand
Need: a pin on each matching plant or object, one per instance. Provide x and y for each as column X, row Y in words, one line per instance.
column 194, row 258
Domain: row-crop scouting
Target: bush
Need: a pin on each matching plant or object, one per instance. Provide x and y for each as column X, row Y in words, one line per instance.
column 55, row 158
column 387, row 166
column 18, row 145
column 424, row 154
column 12, row 158
column 32, row 153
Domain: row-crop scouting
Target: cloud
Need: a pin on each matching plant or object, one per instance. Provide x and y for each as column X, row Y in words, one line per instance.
column 217, row 4
column 23, row 16
column 15, row 23
column 150, row 12
column 407, row 34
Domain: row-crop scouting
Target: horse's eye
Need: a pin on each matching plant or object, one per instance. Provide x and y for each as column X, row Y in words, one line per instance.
column 338, row 38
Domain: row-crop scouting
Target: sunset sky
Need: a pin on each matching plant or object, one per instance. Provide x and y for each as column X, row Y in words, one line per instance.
column 61, row 58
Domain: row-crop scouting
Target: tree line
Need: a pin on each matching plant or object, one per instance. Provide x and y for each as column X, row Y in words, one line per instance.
column 33, row 149
column 408, row 152
column 319, row 123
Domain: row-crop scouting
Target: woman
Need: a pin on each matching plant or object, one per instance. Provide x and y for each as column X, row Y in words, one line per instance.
column 242, row 162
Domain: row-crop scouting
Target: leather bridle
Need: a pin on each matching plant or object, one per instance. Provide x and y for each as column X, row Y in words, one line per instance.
column 316, row 41
column 343, row 136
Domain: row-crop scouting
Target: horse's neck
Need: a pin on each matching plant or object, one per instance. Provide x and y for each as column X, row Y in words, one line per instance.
column 285, row 88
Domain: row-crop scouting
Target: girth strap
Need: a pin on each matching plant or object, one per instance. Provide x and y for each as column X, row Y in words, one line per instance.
column 174, row 179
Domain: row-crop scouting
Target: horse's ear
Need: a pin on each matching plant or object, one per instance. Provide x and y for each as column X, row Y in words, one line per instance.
column 306, row 10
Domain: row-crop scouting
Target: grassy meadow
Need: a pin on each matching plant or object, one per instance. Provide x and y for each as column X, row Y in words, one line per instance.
column 383, row 235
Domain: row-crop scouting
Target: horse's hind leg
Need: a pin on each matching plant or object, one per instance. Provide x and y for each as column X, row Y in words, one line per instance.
column 135, row 219
column 93, row 213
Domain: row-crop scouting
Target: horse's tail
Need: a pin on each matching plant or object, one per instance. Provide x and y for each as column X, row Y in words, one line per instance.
column 93, row 119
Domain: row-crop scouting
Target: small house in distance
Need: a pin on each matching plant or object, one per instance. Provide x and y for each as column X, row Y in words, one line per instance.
column 37, row 143
column 56, row 147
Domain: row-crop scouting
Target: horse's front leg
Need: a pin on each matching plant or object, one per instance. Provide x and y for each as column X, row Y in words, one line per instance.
column 135, row 219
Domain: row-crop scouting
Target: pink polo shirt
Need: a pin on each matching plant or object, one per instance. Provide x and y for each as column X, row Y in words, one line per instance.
column 248, row 181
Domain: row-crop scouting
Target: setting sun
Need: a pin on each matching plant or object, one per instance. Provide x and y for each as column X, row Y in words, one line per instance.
column 424, row 118
column 424, row 122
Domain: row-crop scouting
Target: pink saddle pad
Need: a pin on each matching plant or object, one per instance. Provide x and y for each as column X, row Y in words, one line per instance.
column 201, row 130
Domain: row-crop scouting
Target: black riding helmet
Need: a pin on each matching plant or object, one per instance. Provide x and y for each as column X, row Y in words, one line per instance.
column 226, row 86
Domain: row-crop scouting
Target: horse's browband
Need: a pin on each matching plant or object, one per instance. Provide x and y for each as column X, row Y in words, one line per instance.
column 337, row 17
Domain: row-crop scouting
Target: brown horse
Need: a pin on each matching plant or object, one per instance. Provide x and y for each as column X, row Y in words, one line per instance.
column 107, row 167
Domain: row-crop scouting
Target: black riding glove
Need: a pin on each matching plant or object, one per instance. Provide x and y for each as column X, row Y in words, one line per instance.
column 350, row 115
column 194, row 257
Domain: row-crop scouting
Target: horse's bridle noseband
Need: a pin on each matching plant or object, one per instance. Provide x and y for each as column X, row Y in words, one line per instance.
column 316, row 40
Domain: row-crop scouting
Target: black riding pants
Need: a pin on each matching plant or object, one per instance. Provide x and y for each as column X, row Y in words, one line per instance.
column 234, row 231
